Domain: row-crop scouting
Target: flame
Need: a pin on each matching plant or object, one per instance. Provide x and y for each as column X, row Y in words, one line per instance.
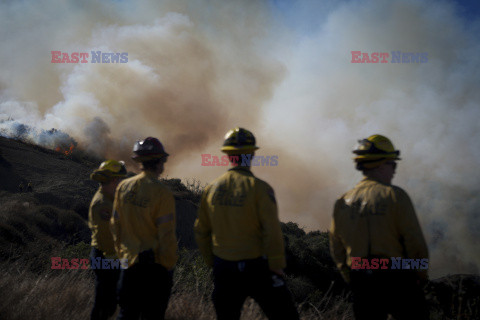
column 66, row 151
column 69, row 150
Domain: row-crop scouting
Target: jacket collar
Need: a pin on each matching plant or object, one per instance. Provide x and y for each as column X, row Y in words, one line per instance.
column 149, row 174
column 242, row 169
column 369, row 179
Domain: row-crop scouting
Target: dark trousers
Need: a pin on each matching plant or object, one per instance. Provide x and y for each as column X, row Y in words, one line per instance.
column 105, row 302
column 235, row 281
column 395, row 292
column 144, row 291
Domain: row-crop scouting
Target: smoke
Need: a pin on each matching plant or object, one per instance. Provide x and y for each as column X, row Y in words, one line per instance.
column 97, row 130
column 281, row 69
column 190, row 73
column 429, row 110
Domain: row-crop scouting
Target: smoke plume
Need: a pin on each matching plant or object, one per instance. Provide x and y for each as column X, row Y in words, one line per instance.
column 281, row 69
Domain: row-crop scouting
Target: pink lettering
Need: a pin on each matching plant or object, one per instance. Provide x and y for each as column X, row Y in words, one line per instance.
column 224, row 160
column 384, row 263
column 356, row 263
column 84, row 263
column 56, row 263
column 84, row 55
column 205, row 157
column 355, row 56
column 216, row 161
column 365, row 58
column 384, row 56
column 55, row 58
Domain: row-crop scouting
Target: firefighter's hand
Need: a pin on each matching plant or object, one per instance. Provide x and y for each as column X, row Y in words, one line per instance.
column 278, row 272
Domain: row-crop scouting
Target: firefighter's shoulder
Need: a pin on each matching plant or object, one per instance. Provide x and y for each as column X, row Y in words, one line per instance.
column 219, row 182
column 160, row 187
column 125, row 182
column 399, row 194
column 263, row 187
column 97, row 200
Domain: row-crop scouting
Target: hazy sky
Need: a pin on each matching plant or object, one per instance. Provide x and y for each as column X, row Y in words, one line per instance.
column 279, row 68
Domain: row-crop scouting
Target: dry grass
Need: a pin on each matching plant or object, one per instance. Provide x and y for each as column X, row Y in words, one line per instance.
column 68, row 294
column 31, row 290
column 51, row 295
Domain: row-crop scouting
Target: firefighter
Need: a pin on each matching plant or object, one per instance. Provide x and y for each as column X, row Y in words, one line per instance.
column 373, row 221
column 108, row 175
column 143, row 226
column 238, row 234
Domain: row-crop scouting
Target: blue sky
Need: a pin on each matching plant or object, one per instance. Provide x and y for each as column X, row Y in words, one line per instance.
column 307, row 16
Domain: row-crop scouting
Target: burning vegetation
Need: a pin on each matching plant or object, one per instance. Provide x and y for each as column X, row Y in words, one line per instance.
column 54, row 139
column 66, row 151
column 64, row 144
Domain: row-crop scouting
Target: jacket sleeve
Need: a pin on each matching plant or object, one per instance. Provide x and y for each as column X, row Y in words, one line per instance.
column 272, row 236
column 115, row 226
column 100, row 224
column 164, row 219
column 203, row 230
column 410, row 231
column 337, row 249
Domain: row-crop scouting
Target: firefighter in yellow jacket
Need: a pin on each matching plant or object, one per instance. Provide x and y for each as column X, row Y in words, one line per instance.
column 239, row 235
column 375, row 234
column 109, row 174
column 143, row 225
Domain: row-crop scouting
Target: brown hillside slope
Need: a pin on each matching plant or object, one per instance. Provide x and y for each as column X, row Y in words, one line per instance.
column 63, row 181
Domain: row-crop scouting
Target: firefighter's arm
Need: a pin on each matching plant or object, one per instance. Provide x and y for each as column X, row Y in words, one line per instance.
column 203, row 230
column 92, row 218
column 164, row 218
column 101, row 218
column 272, row 236
column 410, row 231
column 337, row 249
column 115, row 226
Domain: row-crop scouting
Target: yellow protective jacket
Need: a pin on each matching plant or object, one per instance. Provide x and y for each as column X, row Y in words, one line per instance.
column 375, row 220
column 144, row 219
column 238, row 220
column 99, row 216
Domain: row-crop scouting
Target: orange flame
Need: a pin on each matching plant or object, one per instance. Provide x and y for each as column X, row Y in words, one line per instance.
column 67, row 151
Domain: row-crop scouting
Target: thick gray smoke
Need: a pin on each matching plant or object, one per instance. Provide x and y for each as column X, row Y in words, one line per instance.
column 281, row 69
column 429, row 110
column 190, row 73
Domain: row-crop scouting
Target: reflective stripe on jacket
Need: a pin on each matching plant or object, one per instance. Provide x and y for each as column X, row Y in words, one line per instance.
column 375, row 220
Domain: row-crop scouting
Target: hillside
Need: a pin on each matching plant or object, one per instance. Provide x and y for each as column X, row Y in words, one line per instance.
column 50, row 220
column 63, row 181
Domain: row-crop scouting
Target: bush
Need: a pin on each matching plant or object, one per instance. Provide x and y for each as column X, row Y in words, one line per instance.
column 309, row 261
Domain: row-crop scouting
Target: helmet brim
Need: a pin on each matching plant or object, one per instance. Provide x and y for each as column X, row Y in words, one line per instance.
column 373, row 157
column 242, row 148
column 148, row 157
column 105, row 176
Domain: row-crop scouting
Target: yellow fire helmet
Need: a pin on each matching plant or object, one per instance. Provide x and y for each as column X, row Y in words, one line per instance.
column 375, row 150
column 239, row 139
column 109, row 169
